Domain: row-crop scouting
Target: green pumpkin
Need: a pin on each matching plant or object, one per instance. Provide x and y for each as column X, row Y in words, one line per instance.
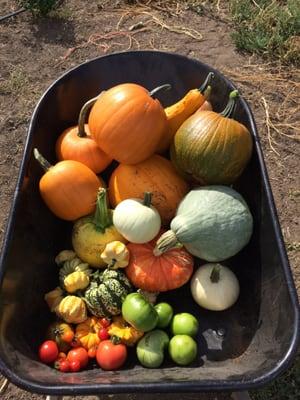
column 106, row 293
column 70, row 266
column 212, row 222
column 212, row 148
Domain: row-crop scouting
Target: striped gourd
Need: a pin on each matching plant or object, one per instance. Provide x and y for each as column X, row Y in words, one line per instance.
column 70, row 266
column 106, row 293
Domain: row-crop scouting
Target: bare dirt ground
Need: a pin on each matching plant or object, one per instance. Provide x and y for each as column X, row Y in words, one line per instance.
column 35, row 52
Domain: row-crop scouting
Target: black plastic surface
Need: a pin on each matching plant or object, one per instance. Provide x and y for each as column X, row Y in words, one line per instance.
column 261, row 329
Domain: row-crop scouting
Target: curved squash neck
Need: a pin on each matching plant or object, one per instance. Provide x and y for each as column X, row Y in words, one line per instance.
column 167, row 241
column 102, row 217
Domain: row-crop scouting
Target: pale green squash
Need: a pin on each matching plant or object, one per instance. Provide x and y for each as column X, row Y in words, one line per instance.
column 212, row 222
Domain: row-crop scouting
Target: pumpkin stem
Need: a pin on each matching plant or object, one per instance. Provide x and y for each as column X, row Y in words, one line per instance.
column 167, row 86
column 207, row 81
column 43, row 162
column 215, row 274
column 82, row 116
column 167, row 241
column 207, row 92
column 227, row 112
column 147, row 199
column 102, row 216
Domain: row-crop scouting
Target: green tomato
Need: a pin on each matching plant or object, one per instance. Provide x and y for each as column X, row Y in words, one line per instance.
column 184, row 324
column 139, row 313
column 150, row 349
column 165, row 314
column 182, row 349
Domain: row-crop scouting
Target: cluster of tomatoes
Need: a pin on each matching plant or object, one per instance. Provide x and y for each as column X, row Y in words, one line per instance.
column 110, row 354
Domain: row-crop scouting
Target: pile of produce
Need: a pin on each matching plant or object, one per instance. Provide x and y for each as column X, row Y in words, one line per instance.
column 164, row 218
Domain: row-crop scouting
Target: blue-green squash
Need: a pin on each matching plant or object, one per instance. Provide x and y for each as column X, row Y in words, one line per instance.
column 212, row 222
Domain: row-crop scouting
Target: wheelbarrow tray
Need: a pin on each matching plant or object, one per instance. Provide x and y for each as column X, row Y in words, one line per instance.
column 243, row 347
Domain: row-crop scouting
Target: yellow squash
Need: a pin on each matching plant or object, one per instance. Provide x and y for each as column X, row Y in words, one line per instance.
column 115, row 255
column 92, row 233
column 182, row 110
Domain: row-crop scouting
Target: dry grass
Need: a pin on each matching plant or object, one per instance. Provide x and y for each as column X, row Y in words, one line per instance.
column 269, row 84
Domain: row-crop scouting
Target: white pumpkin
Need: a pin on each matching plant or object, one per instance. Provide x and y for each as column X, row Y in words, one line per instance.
column 215, row 287
column 137, row 220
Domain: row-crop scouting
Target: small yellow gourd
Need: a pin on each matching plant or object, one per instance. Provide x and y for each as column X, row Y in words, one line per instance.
column 87, row 333
column 53, row 298
column 70, row 266
column 72, row 309
column 125, row 332
column 76, row 281
column 116, row 255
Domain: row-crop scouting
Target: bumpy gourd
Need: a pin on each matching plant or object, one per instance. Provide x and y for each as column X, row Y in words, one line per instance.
column 106, row 293
column 212, row 222
column 72, row 309
column 87, row 333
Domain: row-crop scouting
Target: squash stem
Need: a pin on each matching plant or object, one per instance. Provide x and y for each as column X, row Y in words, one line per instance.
column 215, row 274
column 207, row 82
column 167, row 241
column 147, row 199
column 102, row 216
column 167, row 86
column 227, row 112
column 43, row 162
column 82, row 116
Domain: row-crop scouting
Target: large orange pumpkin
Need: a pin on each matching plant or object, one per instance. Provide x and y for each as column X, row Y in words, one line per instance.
column 152, row 273
column 69, row 188
column 156, row 175
column 127, row 123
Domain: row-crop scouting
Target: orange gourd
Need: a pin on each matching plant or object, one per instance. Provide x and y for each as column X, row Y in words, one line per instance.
column 161, row 273
column 127, row 123
column 177, row 113
column 69, row 188
column 76, row 143
column 87, row 333
column 156, row 175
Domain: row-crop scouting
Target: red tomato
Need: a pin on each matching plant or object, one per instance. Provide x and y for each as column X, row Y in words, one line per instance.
column 48, row 351
column 105, row 322
column 111, row 356
column 75, row 366
column 103, row 334
column 62, row 365
column 78, row 354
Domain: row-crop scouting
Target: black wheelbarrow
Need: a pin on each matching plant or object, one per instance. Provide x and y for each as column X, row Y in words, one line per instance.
column 243, row 347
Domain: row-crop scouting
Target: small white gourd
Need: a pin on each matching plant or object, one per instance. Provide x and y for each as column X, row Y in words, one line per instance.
column 215, row 287
column 137, row 220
